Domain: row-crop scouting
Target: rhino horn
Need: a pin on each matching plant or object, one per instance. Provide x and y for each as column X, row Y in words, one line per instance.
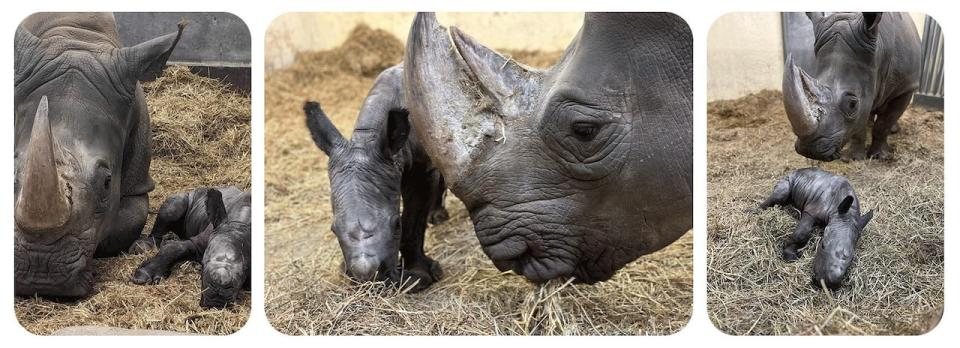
column 803, row 99
column 459, row 94
column 42, row 205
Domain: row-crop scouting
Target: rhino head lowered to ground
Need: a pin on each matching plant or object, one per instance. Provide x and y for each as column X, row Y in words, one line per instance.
column 575, row 170
column 867, row 68
column 82, row 147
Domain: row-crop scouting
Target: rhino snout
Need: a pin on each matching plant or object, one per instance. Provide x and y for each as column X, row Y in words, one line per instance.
column 365, row 267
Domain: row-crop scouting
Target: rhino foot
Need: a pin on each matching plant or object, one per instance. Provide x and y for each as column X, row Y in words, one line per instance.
column 438, row 216
column 149, row 274
column 142, row 245
column 421, row 275
column 882, row 153
column 790, row 254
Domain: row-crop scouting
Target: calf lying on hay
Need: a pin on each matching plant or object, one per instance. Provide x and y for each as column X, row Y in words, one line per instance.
column 896, row 283
column 201, row 137
column 306, row 292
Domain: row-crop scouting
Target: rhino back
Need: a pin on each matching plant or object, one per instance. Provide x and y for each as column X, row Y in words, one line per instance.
column 899, row 60
column 819, row 193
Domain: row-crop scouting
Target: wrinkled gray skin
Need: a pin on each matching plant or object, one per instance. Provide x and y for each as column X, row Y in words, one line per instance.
column 214, row 228
column 825, row 201
column 868, row 67
column 370, row 174
column 82, row 148
column 575, row 170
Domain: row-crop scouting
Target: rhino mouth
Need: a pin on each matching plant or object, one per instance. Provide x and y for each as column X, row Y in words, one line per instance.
column 822, row 148
column 61, row 269
column 536, row 245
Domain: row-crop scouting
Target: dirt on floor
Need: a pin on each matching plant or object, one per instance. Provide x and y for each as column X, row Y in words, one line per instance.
column 306, row 293
column 896, row 284
column 201, row 137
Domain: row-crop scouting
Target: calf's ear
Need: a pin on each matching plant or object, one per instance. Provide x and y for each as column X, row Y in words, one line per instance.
column 864, row 219
column 215, row 209
column 145, row 62
column 397, row 132
column 844, row 206
column 325, row 135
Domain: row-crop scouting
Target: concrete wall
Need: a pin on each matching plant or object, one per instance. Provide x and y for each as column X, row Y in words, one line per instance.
column 745, row 53
column 213, row 39
column 294, row 32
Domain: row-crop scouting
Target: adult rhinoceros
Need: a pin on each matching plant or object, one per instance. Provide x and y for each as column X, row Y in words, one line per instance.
column 575, row 170
column 82, row 151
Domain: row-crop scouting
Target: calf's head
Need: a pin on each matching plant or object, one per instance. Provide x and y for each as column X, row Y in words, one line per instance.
column 365, row 188
column 226, row 267
column 837, row 248
column 74, row 109
column 827, row 108
column 571, row 171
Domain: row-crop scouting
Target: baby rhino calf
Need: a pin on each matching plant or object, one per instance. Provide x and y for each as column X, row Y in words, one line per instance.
column 214, row 228
column 825, row 201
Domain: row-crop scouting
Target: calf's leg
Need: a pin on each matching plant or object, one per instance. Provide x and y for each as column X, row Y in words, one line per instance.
column 171, row 214
column 791, row 249
column 158, row 267
column 419, row 194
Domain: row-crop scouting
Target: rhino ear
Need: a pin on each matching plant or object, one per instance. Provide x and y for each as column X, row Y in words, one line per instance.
column 145, row 62
column 844, row 206
column 864, row 219
column 500, row 77
column 815, row 17
column 325, row 135
column 871, row 22
column 216, row 212
column 397, row 132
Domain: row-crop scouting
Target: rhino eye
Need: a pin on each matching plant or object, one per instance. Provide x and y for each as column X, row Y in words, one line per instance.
column 584, row 131
column 849, row 104
column 106, row 182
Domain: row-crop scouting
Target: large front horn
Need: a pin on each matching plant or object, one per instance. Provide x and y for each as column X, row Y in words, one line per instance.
column 803, row 99
column 42, row 205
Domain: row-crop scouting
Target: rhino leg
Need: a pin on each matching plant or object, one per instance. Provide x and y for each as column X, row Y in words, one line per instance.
column 802, row 234
column 858, row 146
column 887, row 118
column 158, row 267
column 128, row 225
column 419, row 196
column 171, row 213
column 438, row 213
column 780, row 196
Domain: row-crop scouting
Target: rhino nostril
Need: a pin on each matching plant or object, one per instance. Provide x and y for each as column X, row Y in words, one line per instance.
column 363, row 268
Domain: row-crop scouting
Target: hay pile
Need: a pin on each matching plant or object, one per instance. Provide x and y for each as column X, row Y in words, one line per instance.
column 201, row 134
column 306, row 293
column 896, row 284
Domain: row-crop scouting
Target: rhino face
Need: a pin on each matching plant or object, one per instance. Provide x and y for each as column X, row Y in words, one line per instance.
column 837, row 248
column 365, row 188
column 571, row 171
column 826, row 109
column 226, row 265
column 74, row 108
